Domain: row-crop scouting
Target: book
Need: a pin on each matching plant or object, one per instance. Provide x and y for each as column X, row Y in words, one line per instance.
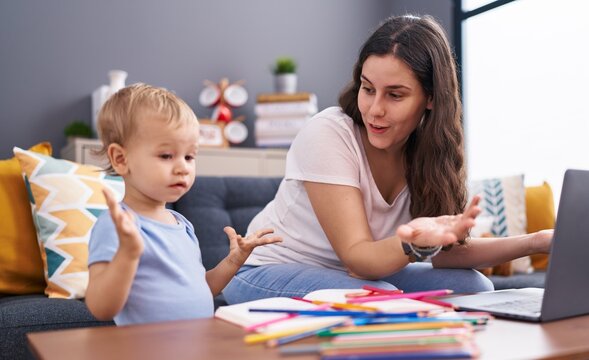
column 285, row 109
column 279, row 127
column 273, row 142
column 240, row 315
column 283, row 97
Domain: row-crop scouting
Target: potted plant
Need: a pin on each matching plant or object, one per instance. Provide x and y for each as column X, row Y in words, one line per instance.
column 285, row 77
column 77, row 128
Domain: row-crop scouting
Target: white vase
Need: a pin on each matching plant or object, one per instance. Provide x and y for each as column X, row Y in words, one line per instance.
column 117, row 80
column 285, row 83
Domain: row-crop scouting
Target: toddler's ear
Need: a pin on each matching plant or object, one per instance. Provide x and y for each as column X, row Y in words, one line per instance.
column 118, row 158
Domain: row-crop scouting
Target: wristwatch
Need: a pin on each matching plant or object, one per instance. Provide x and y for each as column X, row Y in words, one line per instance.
column 419, row 253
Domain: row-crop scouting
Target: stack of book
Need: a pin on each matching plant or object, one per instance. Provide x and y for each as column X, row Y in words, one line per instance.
column 279, row 117
column 366, row 323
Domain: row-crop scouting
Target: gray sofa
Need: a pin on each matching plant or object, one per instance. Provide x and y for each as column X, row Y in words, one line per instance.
column 211, row 204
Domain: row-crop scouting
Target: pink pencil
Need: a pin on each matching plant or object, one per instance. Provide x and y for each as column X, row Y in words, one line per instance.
column 413, row 295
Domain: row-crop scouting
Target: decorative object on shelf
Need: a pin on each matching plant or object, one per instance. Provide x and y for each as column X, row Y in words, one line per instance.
column 212, row 133
column 222, row 97
column 279, row 117
column 102, row 93
column 77, row 128
column 285, row 77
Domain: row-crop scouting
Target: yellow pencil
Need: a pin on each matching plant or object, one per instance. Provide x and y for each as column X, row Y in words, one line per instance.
column 258, row 338
column 397, row 327
column 346, row 306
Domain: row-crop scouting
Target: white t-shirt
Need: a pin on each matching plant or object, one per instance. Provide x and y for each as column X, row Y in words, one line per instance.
column 327, row 150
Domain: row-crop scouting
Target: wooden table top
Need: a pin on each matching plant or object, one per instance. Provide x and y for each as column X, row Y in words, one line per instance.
column 216, row 339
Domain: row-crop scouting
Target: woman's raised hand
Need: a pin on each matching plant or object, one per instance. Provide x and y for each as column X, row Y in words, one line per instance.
column 441, row 230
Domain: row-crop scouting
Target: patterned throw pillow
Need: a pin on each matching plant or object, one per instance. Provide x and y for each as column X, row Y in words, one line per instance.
column 504, row 201
column 66, row 198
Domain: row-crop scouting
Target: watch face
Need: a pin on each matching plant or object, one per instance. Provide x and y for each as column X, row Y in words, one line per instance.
column 209, row 96
column 235, row 95
column 235, row 132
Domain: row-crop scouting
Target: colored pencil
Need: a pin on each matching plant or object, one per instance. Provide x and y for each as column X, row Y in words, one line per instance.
column 380, row 291
column 276, row 320
column 302, row 335
column 263, row 337
column 413, row 295
column 337, row 305
column 350, row 313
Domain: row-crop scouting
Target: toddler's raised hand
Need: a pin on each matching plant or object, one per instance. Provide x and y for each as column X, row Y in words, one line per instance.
column 240, row 248
column 130, row 240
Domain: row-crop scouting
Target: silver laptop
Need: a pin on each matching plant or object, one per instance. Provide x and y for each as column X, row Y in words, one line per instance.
column 566, row 290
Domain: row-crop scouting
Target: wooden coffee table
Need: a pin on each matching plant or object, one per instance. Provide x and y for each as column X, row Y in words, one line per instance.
column 216, row 339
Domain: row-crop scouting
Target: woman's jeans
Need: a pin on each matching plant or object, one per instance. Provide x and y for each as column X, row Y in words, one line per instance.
column 296, row 280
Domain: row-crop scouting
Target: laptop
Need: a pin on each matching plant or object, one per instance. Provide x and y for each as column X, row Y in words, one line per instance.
column 566, row 289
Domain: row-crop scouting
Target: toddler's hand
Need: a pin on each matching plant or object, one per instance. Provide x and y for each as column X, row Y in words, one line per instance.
column 130, row 241
column 441, row 230
column 240, row 248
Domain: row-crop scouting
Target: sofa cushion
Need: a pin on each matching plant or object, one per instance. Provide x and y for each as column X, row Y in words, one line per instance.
column 66, row 198
column 540, row 214
column 216, row 202
column 20, row 315
column 516, row 281
column 21, row 268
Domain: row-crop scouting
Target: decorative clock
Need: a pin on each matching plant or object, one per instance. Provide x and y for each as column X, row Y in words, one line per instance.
column 222, row 97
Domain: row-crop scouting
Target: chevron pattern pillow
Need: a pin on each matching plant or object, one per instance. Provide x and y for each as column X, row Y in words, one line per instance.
column 503, row 200
column 66, row 198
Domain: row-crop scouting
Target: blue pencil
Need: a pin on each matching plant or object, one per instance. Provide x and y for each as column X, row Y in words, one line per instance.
column 338, row 313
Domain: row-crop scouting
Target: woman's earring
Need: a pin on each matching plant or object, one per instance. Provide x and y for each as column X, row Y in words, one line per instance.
column 421, row 121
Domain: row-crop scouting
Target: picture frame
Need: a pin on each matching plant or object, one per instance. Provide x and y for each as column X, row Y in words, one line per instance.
column 212, row 133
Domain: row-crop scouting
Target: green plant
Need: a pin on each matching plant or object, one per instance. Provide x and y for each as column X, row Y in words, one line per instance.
column 284, row 65
column 78, row 128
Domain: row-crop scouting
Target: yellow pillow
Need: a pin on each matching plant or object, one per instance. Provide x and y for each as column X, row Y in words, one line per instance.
column 66, row 199
column 21, row 269
column 540, row 214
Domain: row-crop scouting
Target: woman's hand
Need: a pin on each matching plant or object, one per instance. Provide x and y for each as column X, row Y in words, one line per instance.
column 130, row 240
column 441, row 230
column 541, row 241
column 240, row 248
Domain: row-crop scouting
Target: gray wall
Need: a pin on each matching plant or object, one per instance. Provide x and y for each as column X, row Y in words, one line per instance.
column 53, row 54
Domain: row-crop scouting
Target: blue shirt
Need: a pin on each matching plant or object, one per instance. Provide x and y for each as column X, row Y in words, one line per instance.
column 170, row 282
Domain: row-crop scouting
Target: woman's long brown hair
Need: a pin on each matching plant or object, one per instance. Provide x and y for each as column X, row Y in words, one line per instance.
column 434, row 152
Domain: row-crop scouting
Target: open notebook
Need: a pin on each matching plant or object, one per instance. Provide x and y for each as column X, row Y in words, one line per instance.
column 567, row 278
column 239, row 314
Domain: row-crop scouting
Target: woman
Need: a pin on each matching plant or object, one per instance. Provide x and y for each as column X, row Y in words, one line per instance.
column 380, row 182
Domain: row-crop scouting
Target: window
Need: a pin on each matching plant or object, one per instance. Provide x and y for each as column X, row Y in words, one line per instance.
column 525, row 73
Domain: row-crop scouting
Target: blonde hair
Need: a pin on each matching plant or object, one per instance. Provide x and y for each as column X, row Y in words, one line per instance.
column 119, row 117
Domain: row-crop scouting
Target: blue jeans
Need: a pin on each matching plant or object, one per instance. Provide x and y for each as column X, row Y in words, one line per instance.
column 296, row 280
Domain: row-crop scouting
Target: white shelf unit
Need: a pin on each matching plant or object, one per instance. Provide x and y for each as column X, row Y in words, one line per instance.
column 250, row 162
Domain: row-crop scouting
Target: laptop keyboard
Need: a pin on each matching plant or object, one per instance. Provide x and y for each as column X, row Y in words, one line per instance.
column 532, row 305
